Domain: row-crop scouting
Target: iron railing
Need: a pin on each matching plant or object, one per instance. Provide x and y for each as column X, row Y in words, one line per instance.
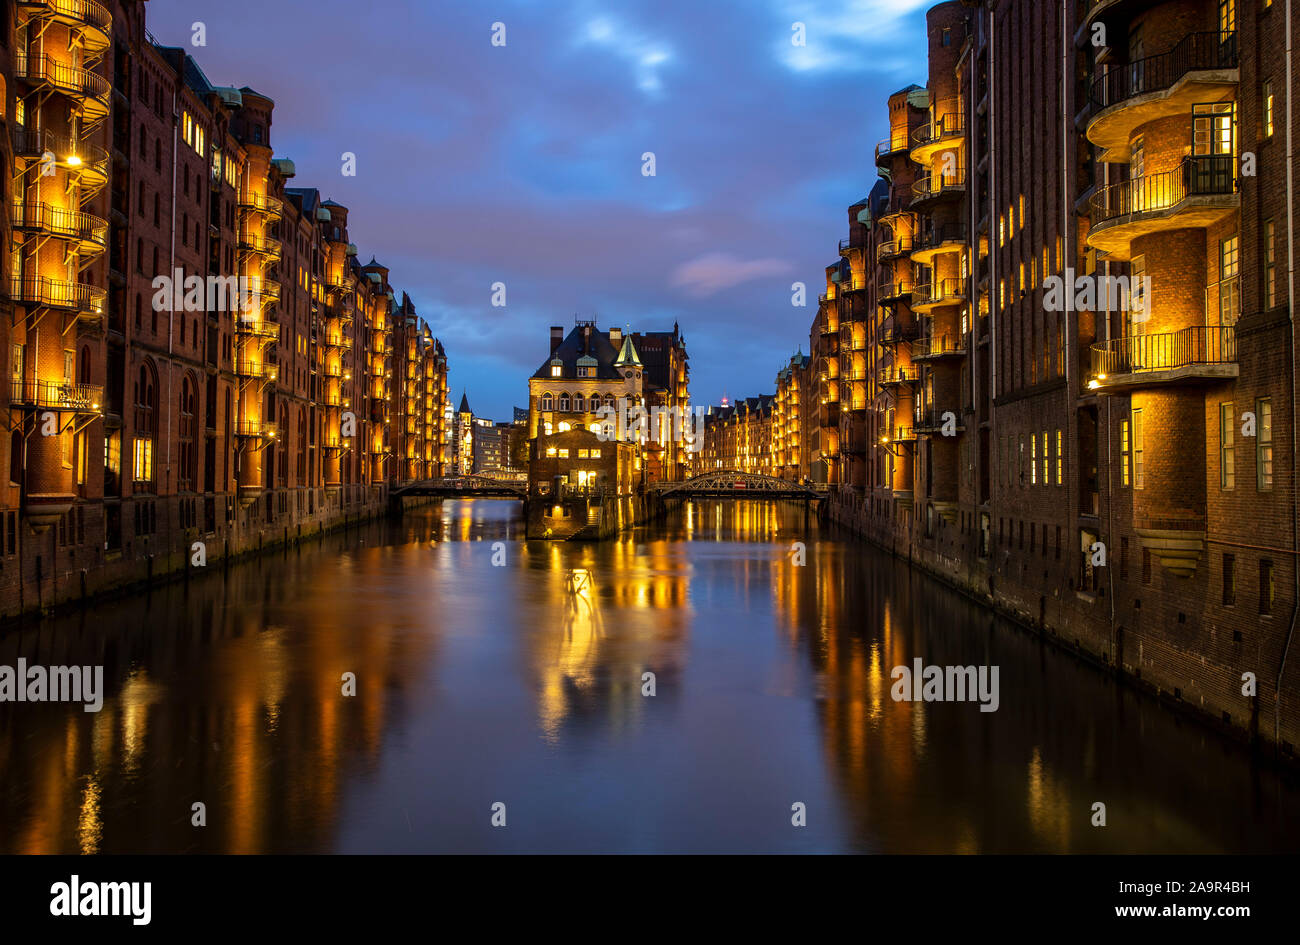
column 58, row 293
column 1195, row 52
column 57, row 395
column 934, row 346
column 62, row 223
column 1196, row 344
column 1204, row 175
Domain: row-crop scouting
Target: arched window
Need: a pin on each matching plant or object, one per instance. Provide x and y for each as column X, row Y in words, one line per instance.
column 564, row 403
column 609, row 400
column 548, row 402
column 146, row 428
column 189, row 405
column 578, row 404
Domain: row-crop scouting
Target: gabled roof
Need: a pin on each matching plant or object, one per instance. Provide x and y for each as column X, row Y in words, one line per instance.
column 464, row 403
column 584, row 341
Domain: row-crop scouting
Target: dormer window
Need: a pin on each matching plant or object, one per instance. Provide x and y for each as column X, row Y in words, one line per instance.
column 557, row 367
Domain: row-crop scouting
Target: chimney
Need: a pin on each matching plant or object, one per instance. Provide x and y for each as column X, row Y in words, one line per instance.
column 557, row 337
column 586, row 339
column 616, row 337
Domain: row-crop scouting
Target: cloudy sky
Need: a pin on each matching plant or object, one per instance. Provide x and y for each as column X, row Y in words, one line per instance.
column 522, row 164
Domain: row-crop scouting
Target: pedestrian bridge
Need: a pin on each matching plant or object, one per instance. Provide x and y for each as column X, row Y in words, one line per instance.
column 732, row 484
column 464, row 487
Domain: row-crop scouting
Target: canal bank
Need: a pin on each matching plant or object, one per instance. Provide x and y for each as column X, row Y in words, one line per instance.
column 54, row 569
column 482, row 679
column 1150, row 657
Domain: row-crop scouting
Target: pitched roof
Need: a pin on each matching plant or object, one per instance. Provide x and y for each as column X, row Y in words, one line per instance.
column 584, row 341
column 464, row 403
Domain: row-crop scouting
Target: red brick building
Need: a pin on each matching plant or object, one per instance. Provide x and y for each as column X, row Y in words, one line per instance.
column 1131, row 157
column 192, row 352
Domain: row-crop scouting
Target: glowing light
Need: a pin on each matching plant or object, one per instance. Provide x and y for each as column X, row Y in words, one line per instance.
column 74, row 161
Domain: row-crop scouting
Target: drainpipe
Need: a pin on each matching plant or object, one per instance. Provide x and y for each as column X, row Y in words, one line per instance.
column 1290, row 295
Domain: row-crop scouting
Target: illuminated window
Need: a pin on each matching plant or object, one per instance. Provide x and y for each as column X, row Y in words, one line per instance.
column 564, row 454
column 1264, row 444
column 1060, row 459
column 595, row 454
column 1212, row 129
column 1047, row 479
column 1033, row 460
column 143, row 463
column 565, row 427
column 1139, row 451
column 584, row 454
column 550, row 450
column 1125, row 454
column 1227, row 450
column 1268, row 109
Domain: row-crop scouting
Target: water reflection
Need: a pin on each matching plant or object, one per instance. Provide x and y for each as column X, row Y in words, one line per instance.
column 521, row 681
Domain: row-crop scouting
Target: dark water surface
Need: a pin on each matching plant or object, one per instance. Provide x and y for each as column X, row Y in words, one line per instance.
column 478, row 684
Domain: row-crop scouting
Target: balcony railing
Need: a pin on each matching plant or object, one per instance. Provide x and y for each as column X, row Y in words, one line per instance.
column 1166, row 351
column 927, row 419
column 58, row 293
column 79, row 12
column 1194, row 53
column 56, row 395
column 895, row 290
column 62, row 223
column 934, row 237
column 895, row 376
column 263, row 245
column 261, row 203
column 945, row 126
column 937, row 346
column 76, row 157
column 255, row 429
column 928, row 185
column 891, row 145
column 82, row 83
column 252, row 367
column 257, row 329
column 852, row 283
column 1206, row 175
column 937, row 292
column 899, row 246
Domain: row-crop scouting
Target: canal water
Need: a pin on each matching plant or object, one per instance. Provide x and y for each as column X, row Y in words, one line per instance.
column 514, row 674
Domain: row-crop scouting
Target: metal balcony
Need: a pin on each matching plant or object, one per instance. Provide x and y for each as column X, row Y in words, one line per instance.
column 943, row 132
column 933, row 187
column 888, row 148
column 56, row 395
column 88, row 300
column 1200, row 69
column 1198, row 193
column 88, row 89
column 88, row 231
column 265, row 246
column 262, row 203
column 899, row 246
column 255, row 429
column 934, row 241
column 85, row 163
column 937, row 293
column 91, row 21
column 894, row 291
column 938, row 346
column 1190, row 355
